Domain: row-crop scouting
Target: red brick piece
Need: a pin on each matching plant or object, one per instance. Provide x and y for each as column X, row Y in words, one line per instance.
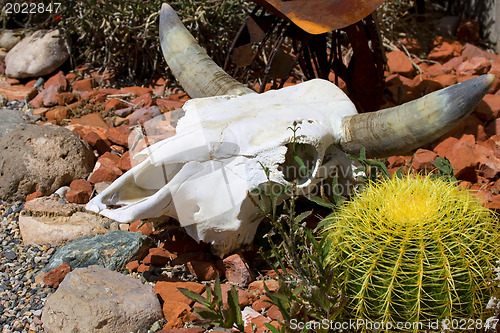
column 58, row 80
column 398, row 63
column 55, row 276
column 489, row 107
column 203, row 270
column 119, row 135
column 168, row 291
column 34, row 195
column 444, row 49
column 77, row 196
column 84, row 85
column 65, row 98
column 133, row 265
column 422, row 160
column 146, row 227
column 237, row 270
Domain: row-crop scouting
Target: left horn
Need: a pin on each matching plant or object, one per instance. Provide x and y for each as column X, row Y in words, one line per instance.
column 397, row 130
column 197, row 73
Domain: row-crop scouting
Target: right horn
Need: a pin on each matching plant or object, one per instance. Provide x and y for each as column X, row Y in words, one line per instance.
column 399, row 129
column 198, row 74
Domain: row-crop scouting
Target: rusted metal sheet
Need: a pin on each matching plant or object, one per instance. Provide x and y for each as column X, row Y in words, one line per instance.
column 320, row 16
column 243, row 55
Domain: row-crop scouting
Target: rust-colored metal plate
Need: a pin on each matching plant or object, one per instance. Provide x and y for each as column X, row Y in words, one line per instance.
column 320, row 16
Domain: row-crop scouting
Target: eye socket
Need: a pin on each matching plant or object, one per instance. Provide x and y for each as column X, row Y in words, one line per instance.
column 299, row 165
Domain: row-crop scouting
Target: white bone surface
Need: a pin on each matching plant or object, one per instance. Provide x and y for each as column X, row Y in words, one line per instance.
column 202, row 176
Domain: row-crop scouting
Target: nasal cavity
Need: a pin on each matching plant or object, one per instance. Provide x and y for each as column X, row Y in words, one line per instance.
column 300, row 162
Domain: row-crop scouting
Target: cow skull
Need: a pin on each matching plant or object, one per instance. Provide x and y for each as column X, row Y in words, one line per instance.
column 232, row 141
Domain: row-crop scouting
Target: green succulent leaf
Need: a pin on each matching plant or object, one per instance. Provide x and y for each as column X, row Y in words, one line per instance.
column 321, row 202
column 208, row 315
column 302, row 216
column 271, row 328
column 194, row 296
column 399, row 173
column 234, row 306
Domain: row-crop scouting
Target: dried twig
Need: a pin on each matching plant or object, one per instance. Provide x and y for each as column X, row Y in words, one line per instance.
column 388, row 44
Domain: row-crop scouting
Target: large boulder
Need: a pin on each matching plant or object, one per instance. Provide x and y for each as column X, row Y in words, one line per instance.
column 41, row 158
column 95, row 299
column 11, row 119
column 39, row 54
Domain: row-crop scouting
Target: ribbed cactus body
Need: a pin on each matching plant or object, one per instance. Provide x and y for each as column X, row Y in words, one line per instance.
column 413, row 250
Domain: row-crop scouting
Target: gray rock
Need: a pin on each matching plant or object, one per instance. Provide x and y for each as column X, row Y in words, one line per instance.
column 36, row 55
column 41, row 158
column 10, row 120
column 46, row 220
column 9, row 38
column 95, row 299
column 9, row 255
column 112, row 250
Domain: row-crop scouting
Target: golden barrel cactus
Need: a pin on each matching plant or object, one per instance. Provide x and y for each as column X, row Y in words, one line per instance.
column 414, row 250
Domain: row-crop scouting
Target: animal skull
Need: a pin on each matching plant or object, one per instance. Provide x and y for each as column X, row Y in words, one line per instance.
column 205, row 175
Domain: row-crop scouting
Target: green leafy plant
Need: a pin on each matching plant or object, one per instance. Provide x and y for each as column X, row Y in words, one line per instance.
column 304, row 172
column 213, row 311
column 374, row 170
column 307, row 291
column 444, row 169
column 413, row 250
column 368, row 170
column 371, row 170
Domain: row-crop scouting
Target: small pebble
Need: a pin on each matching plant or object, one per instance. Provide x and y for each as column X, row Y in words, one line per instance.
column 9, row 255
column 21, row 299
